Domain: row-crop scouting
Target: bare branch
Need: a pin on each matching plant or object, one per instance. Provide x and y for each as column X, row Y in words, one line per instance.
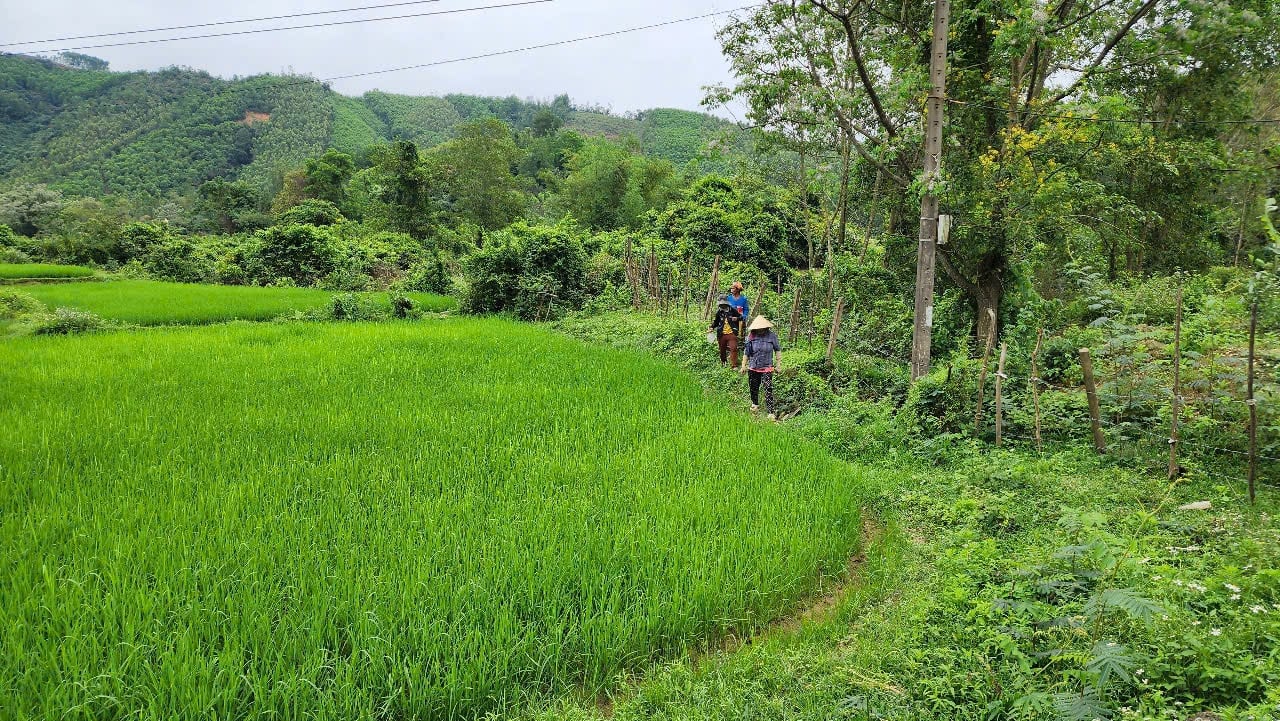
column 969, row 287
column 1106, row 50
column 856, row 51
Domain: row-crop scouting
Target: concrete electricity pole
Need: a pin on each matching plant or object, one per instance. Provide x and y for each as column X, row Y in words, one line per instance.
column 922, row 337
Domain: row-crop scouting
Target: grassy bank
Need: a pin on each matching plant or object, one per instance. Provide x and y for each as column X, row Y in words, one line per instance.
column 40, row 271
column 149, row 302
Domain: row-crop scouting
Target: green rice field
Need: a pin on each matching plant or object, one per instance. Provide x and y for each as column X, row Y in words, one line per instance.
column 403, row 520
column 42, row 271
column 149, row 302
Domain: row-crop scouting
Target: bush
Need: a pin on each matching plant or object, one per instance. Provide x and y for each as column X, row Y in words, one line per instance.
column 15, row 304
column 68, row 321
column 303, row 253
column 531, row 270
column 312, row 212
column 178, row 260
column 137, row 239
column 427, row 276
column 346, row 279
column 355, row 307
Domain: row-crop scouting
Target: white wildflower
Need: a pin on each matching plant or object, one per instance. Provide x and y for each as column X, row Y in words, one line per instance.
column 1257, row 609
column 1235, row 597
column 1215, row 632
column 1233, row 589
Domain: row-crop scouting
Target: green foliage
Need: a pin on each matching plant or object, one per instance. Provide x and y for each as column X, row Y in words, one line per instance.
column 29, row 209
column 476, row 173
column 302, row 253
column 319, row 213
column 610, row 186
column 328, row 175
column 68, row 321
column 533, row 271
column 355, row 307
column 16, row 304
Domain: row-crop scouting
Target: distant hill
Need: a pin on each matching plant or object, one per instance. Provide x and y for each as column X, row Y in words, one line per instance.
column 90, row 131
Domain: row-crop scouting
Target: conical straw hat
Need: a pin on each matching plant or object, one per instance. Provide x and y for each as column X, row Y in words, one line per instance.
column 760, row 323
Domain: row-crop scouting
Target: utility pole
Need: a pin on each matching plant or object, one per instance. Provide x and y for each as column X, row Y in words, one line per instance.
column 922, row 337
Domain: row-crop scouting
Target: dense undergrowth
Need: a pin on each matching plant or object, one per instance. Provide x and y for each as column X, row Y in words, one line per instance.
column 1010, row 584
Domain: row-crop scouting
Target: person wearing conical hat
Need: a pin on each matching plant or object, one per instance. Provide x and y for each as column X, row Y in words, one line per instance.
column 726, row 325
column 758, row 361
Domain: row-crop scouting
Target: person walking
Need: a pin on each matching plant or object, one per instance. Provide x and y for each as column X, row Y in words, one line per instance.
column 758, row 362
column 739, row 301
column 726, row 325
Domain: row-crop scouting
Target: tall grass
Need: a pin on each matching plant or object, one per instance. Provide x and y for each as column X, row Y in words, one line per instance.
column 379, row 521
column 148, row 302
column 26, row 271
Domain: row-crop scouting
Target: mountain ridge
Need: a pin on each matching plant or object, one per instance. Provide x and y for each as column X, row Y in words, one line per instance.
column 86, row 130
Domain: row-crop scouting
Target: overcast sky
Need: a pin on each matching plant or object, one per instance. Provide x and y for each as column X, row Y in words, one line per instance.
column 664, row 67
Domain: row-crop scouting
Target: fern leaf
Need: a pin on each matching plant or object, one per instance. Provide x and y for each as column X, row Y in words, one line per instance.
column 1085, row 706
column 1124, row 599
column 1110, row 660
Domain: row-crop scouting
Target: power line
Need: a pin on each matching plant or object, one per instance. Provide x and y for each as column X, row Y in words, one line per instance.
column 497, row 53
column 298, row 27
column 1131, row 121
column 219, row 22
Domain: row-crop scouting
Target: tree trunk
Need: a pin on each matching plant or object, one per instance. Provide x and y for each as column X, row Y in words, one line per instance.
column 990, row 292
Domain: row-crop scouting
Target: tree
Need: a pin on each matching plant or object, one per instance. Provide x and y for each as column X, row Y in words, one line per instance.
column 610, row 186
column 28, row 209
column 303, row 253
column 858, row 70
column 229, row 206
column 328, row 175
column 476, row 169
column 404, row 186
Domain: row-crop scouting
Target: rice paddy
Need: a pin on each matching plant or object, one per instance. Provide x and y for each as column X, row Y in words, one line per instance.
column 356, row 521
column 149, row 302
column 42, row 271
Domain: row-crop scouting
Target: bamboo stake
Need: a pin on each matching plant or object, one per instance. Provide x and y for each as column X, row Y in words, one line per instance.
column 1253, row 408
column 711, row 290
column 1035, row 385
column 982, row 379
column 999, row 397
column 1095, row 410
column 835, row 329
column 1175, row 411
column 793, row 328
column 688, row 286
column 758, row 303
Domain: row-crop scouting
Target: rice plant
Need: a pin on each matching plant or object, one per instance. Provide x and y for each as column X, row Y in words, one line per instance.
column 41, row 271
column 358, row 521
column 147, row 302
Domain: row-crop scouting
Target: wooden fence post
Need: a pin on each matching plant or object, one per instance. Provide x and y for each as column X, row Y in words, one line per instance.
column 688, row 286
column 982, row 378
column 792, row 328
column 1176, row 408
column 999, row 397
column 711, row 290
column 1253, row 408
column 758, row 303
column 835, row 329
column 1095, row 410
column 1035, row 385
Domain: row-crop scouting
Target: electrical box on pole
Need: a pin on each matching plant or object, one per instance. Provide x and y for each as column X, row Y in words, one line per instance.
column 922, row 336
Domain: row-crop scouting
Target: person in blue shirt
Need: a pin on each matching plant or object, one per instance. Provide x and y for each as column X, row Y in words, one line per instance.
column 738, row 300
column 762, row 351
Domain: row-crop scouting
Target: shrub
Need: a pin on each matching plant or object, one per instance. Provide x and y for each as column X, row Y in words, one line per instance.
column 303, row 253
column 178, row 260
column 346, row 278
column 137, row 239
column 355, row 307
column 427, row 276
column 312, row 212
column 531, row 270
column 68, row 321
column 15, row 304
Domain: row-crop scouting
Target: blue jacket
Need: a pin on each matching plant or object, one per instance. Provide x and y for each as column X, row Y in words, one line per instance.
column 741, row 304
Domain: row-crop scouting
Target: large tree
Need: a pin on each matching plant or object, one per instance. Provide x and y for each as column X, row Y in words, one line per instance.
column 1020, row 166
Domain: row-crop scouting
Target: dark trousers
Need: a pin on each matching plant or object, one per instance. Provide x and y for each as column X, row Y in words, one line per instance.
column 728, row 349
column 756, row 379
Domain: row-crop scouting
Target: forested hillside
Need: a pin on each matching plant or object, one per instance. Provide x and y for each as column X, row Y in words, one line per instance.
column 91, row 132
